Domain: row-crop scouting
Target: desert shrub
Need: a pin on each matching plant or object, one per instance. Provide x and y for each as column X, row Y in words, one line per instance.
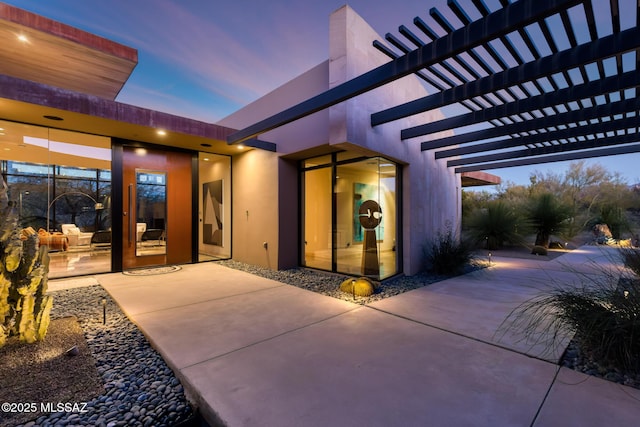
column 494, row 225
column 602, row 311
column 447, row 254
column 615, row 218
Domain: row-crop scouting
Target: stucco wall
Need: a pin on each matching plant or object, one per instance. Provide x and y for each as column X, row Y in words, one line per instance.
column 267, row 186
column 264, row 180
column 302, row 134
column 430, row 189
column 255, row 208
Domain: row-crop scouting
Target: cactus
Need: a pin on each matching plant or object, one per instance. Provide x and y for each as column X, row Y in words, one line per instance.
column 362, row 287
column 24, row 267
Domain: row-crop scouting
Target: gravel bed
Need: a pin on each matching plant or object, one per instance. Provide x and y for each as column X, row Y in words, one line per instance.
column 140, row 389
column 575, row 359
column 329, row 283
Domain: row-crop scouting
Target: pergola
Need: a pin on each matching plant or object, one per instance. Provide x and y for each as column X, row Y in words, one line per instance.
column 532, row 81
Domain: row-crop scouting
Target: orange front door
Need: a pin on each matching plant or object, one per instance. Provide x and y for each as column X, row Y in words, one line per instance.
column 157, row 210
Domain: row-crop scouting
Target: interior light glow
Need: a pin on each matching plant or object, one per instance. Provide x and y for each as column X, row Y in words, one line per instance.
column 70, row 149
column 161, row 132
column 23, row 38
column 140, row 151
column 240, row 147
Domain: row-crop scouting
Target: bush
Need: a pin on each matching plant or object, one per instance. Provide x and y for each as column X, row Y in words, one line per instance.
column 615, row 218
column 447, row 254
column 495, row 225
column 602, row 312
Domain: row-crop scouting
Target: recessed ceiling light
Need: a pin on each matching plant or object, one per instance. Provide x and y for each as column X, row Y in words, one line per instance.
column 23, row 38
column 240, row 147
column 161, row 132
column 56, row 118
column 206, row 159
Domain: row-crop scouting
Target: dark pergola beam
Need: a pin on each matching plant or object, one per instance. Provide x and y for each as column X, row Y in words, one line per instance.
column 567, row 59
column 550, row 149
column 258, row 143
column 571, row 116
column 494, row 25
column 574, row 132
column 614, row 151
column 627, row 80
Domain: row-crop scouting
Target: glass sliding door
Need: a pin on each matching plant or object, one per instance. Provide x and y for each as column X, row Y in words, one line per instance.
column 358, row 201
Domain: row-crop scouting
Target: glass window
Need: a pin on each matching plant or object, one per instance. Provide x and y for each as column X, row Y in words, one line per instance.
column 317, row 219
column 76, row 172
column 354, row 215
column 22, row 168
column 58, row 177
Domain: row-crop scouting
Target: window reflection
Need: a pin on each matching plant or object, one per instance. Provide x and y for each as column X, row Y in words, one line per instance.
column 151, row 213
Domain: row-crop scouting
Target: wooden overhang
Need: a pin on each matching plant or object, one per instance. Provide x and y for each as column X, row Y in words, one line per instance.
column 530, row 81
column 42, row 50
column 65, row 78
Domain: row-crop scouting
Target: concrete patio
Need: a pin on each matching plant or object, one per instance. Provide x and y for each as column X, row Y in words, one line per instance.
column 256, row 352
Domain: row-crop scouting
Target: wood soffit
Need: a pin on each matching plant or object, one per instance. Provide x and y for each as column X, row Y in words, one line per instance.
column 62, row 56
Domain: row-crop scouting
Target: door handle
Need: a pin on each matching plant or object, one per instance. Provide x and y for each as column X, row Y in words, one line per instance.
column 129, row 210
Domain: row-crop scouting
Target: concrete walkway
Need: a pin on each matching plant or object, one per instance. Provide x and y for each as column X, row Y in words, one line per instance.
column 255, row 352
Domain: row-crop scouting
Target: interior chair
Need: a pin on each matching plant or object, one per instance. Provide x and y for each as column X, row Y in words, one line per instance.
column 75, row 236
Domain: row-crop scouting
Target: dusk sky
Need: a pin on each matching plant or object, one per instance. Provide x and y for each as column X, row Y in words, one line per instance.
column 205, row 59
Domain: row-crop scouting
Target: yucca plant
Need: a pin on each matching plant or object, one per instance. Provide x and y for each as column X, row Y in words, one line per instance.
column 547, row 216
column 494, row 225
